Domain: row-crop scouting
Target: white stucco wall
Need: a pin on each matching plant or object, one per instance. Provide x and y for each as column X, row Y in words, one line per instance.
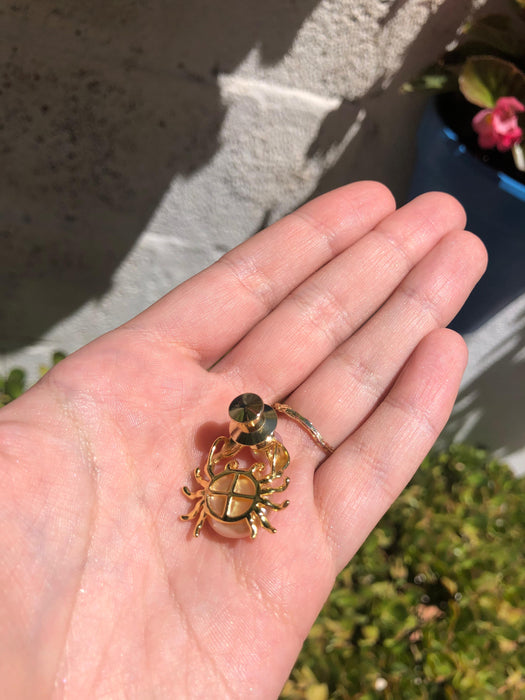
column 490, row 410
column 141, row 140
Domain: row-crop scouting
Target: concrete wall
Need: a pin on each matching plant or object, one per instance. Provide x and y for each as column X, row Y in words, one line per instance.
column 141, row 139
column 490, row 410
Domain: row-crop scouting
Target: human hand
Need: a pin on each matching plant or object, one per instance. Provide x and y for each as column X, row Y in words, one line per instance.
column 338, row 309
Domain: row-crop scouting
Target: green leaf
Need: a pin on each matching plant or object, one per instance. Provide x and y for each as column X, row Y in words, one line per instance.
column 58, row 356
column 435, row 79
column 319, row 691
column 519, row 157
column 15, row 383
column 484, row 79
column 498, row 32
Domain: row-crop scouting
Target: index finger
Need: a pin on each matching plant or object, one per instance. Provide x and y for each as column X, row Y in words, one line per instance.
column 211, row 312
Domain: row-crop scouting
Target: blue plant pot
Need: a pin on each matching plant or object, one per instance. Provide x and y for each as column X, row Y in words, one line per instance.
column 495, row 206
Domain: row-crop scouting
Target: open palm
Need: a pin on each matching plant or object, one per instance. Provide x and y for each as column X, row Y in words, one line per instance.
column 339, row 310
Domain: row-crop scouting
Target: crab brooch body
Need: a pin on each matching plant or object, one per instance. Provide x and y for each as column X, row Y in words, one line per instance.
column 237, row 499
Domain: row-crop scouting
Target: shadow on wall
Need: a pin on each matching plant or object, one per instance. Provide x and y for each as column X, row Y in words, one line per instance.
column 489, row 412
column 102, row 104
column 387, row 111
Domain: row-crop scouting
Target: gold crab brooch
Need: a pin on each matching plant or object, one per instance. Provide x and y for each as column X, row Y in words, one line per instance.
column 236, row 498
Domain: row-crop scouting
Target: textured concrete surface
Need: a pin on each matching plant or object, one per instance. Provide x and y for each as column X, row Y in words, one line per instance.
column 490, row 410
column 141, row 140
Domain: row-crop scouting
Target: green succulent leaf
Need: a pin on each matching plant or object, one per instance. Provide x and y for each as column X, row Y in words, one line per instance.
column 15, row 383
column 58, row 356
column 484, row 79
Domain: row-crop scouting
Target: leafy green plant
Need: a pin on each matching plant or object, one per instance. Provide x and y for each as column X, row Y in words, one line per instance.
column 487, row 66
column 433, row 605
column 15, row 383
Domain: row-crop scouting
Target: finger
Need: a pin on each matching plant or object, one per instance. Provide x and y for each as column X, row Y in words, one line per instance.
column 365, row 475
column 209, row 313
column 357, row 375
column 286, row 346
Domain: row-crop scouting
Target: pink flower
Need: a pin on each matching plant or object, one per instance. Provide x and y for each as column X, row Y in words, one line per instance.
column 498, row 127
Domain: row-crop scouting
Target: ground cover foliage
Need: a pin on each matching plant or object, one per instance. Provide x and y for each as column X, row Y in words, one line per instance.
column 433, row 605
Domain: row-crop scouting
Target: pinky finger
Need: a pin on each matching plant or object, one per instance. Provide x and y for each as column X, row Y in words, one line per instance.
column 368, row 471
